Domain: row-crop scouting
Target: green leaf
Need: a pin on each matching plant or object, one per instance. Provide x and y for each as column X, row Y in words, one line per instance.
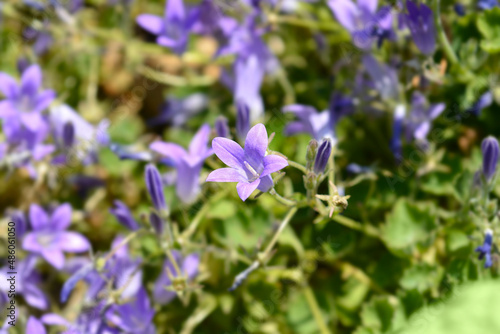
column 488, row 24
column 421, row 277
column 407, row 225
column 472, row 308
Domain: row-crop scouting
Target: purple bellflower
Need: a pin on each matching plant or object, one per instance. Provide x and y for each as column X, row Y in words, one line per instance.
column 163, row 291
column 187, row 163
column 250, row 167
column 136, row 316
column 172, row 30
column 124, row 216
column 177, row 111
column 324, row 151
column 490, row 150
column 363, row 21
column 27, row 281
column 49, row 237
column 485, row 249
column 421, row 116
column 25, row 101
column 384, row 77
column 420, row 21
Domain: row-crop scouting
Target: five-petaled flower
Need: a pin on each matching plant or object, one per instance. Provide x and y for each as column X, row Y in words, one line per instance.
column 250, row 167
column 49, row 237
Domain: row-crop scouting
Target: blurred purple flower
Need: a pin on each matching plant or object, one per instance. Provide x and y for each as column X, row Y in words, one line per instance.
column 363, row 21
column 136, row 316
column 250, row 167
column 189, row 269
column 396, row 144
column 187, row 163
column 384, row 77
column 123, row 215
column 172, row 30
column 20, row 222
column 422, row 114
column 221, row 127
column 49, row 237
column 35, row 326
column 485, row 249
column 242, row 120
column 487, row 4
column 484, row 101
column 130, row 153
column 177, row 111
column 25, row 101
column 420, row 21
column 27, row 280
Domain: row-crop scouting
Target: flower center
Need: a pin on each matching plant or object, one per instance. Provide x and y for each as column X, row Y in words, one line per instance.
column 45, row 239
column 24, row 103
column 252, row 171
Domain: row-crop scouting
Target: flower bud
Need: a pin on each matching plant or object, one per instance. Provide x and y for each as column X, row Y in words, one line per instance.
column 242, row 120
column 324, row 151
column 221, row 127
column 310, row 181
column 156, row 222
column 490, row 150
column 312, row 148
column 155, row 187
column 124, row 216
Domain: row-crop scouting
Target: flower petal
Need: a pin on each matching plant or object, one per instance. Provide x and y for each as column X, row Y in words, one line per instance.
column 226, row 175
column 35, row 326
column 229, row 152
column 33, row 121
column 72, row 242
column 38, row 217
column 245, row 189
column 187, row 186
column 61, row 217
column 7, row 109
column 8, row 86
column 55, row 257
column 256, row 145
column 199, row 143
column 151, row 23
column 34, row 296
column 266, row 183
column 170, row 150
column 346, row 13
column 31, row 80
column 190, row 265
column 43, row 100
column 273, row 163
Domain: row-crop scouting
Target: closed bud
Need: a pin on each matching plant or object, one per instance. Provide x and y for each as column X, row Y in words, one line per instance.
column 324, row 151
column 312, row 148
column 490, row 150
column 242, row 120
column 156, row 222
column 310, row 181
column 155, row 187
column 221, row 127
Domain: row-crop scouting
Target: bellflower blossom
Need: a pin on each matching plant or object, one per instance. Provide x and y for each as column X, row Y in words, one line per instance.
column 384, row 77
column 49, row 237
column 420, row 21
column 25, row 101
column 135, row 316
column 189, row 269
column 363, row 21
column 487, row 4
column 27, row 281
column 422, row 114
column 187, row 163
column 485, row 249
column 490, row 150
column 177, row 111
column 172, row 29
column 124, row 216
column 250, row 167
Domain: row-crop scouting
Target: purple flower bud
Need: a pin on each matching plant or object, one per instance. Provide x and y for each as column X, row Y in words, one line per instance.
column 155, row 187
column 221, row 127
column 68, row 134
column 123, row 215
column 490, row 150
column 242, row 120
column 324, row 151
column 156, row 222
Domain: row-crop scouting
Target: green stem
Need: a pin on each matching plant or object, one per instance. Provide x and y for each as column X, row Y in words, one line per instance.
column 367, row 229
column 278, row 232
column 331, row 173
column 316, row 311
column 282, row 199
column 443, row 40
column 300, row 167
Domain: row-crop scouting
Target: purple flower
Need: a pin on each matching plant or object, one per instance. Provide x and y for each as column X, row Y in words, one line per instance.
column 420, row 21
column 363, row 21
column 221, row 127
column 35, row 326
column 163, row 291
column 324, row 151
column 135, row 317
column 177, row 111
column 130, row 153
column 485, row 249
column 318, row 124
column 490, row 150
column 25, row 101
column 384, row 77
column 171, row 30
column 187, row 163
column 242, row 120
column 487, row 4
column 124, row 216
column 27, row 280
column 250, row 167
column 421, row 116
column 484, row 101
column 49, row 237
